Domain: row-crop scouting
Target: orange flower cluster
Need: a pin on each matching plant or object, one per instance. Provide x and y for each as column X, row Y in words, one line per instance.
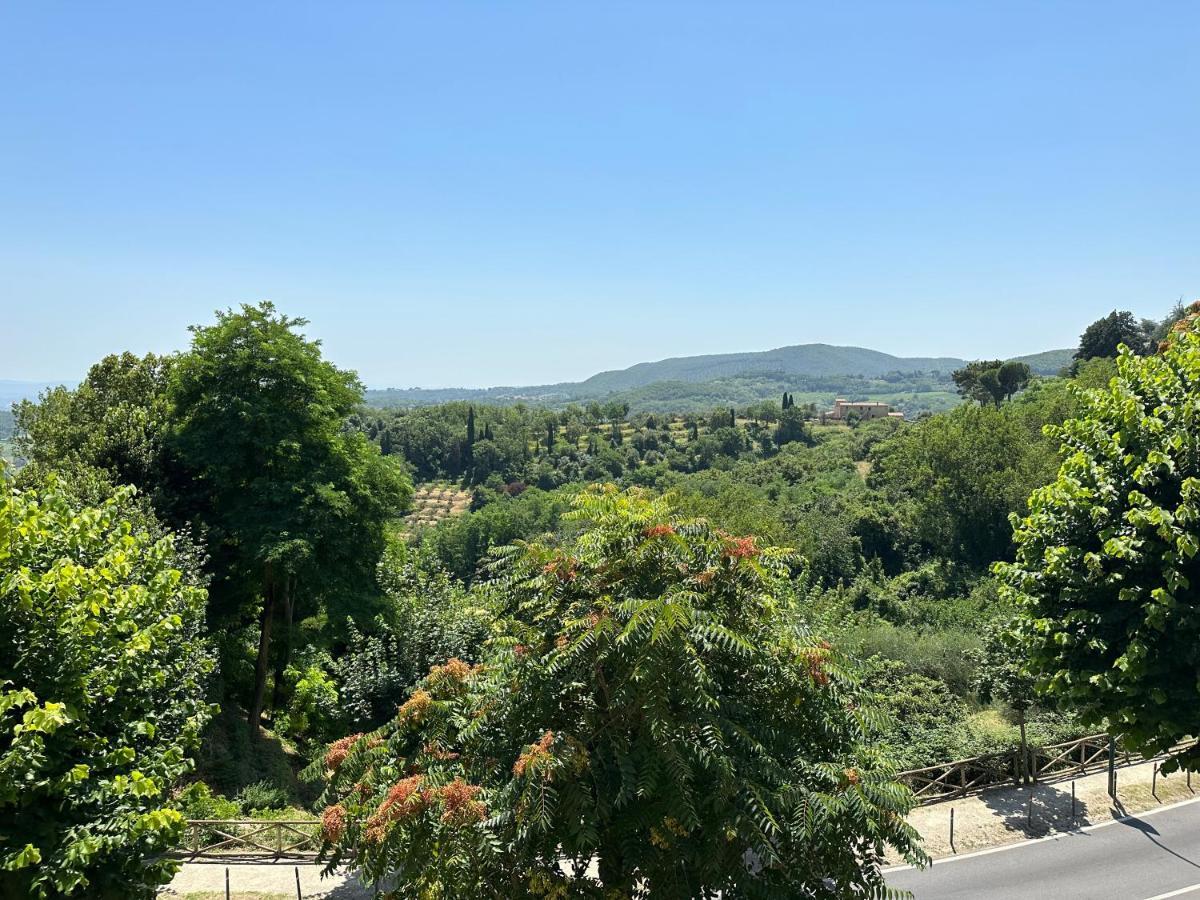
column 461, row 807
column 333, row 823
column 814, row 660
column 414, row 708
column 520, row 650
column 741, row 548
column 561, row 641
column 655, row 531
column 852, row 776
column 339, row 750
column 534, row 756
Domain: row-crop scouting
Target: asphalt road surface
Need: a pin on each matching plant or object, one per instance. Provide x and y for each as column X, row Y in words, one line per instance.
column 1153, row 856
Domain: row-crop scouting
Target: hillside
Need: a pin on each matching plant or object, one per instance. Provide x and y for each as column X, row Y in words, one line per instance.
column 1050, row 362
column 806, row 359
column 817, row 371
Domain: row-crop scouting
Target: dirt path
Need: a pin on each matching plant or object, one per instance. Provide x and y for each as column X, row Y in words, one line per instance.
column 1003, row 815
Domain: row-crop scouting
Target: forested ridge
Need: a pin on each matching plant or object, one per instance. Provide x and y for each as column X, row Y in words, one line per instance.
column 814, row 372
column 656, row 638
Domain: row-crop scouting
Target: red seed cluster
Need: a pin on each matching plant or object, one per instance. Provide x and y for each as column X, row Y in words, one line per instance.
column 655, row 531
column 414, row 708
column 339, row 750
column 814, row 661
column 404, row 800
column 534, row 756
column 333, row 823
column 741, row 548
column 459, row 804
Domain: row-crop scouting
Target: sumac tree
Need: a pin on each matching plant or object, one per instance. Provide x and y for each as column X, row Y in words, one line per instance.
column 650, row 720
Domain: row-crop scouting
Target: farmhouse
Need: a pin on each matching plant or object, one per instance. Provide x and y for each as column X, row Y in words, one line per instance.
column 845, row 409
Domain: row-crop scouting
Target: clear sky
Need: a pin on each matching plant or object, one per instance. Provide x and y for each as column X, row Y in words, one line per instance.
column 516, row 193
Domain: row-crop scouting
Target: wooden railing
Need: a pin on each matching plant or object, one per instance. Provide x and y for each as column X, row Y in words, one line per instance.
column 961, row 777
column 250, row 840
column 1080, row 756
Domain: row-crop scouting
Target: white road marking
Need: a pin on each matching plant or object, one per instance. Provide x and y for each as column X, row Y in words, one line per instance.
column 1057, row 836
column 1178, row 893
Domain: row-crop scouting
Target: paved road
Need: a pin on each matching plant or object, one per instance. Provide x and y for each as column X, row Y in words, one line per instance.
column 1149, row 857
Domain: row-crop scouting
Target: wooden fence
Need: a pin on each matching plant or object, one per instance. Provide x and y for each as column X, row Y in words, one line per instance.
column 1081, row 756
column 250, row 840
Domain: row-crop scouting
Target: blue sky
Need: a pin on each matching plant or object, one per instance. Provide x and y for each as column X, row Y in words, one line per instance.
column 515, row 193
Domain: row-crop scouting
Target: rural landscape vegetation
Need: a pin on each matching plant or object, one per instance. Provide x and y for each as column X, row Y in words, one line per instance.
column 668, row 631
column 657, row 450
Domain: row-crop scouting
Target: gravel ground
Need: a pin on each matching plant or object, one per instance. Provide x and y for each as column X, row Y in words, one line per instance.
column 270, row 881
column 1001, row 816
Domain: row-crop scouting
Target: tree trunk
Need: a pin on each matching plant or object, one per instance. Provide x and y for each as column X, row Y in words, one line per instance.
column 1024, row 747
column 254, row 717
column 284, row 657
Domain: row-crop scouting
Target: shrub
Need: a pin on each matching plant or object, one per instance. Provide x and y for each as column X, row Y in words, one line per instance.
column 262, row 795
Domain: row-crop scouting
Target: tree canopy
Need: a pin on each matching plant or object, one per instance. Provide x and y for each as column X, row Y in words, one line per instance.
column 288, row 497
column 102, row 687
column 1104, row 337
column 1107, row 572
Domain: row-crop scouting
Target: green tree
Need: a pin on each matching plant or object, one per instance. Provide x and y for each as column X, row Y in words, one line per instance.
column 960, row 475
column 287, row 496
column 1014, row 376
column 1001, row 675
column 1106, row 574
column 980, row 381
column 108, row 429
column 102, row 671
column 653, row 705
column 1105, row 336
column 792, row 428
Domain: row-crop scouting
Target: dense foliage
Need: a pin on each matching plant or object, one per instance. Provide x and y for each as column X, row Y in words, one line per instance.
column 102, row 695
column 1107, row 570
column 269, row 479
column 577, row 741
column 293, row 505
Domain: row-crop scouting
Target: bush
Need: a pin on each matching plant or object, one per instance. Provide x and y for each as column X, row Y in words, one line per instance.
column 102, row 684
column 945, row 656
column 262, row 795
column 432, row 618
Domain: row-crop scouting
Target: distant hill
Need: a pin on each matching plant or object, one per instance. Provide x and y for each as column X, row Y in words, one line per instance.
column 820, row 369
column 815, row 360
column 1051, row 362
